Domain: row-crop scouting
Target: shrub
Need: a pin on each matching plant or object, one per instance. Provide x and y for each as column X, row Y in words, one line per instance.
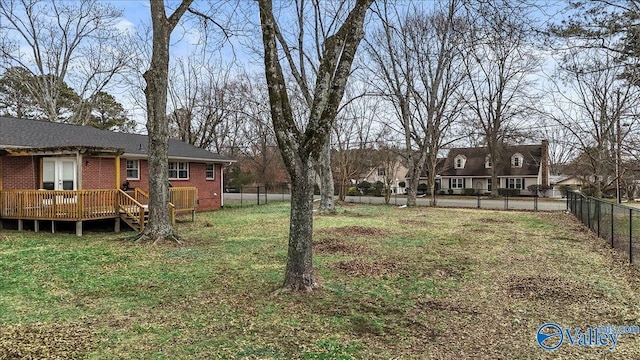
column 353, row 191
column 365, row 185
column 564, row 189
column 538, row 189
column 508, row 192
column 423, row 188
column 441, row 192
column 468, row 191
column 588, row 190
column 402, row 184
column 377, row 189
column 450, row 191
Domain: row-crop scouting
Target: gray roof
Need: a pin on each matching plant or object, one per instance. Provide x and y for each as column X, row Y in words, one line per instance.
column 16, row 132
column 475, row 164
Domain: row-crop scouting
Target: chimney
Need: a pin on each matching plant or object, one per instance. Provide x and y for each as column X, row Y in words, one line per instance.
column 544, row 162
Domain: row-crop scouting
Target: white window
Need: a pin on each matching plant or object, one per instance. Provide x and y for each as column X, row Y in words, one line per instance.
column 459, row 162
column 381, row 172
column 133, row 169
column 489, row 185
column 210, row 171
column 516, row 160
column 178, row 170
column 487, row 163
column 457, row 183
column 517, row 183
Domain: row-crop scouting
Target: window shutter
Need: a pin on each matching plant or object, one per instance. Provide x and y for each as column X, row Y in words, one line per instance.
column 523, row 187
column 464, row 183
column 449, row 183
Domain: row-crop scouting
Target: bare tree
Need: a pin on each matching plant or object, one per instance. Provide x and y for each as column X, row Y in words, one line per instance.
column 499, row 61
column 62, row 42
column 598, row 107
column 156, row 78
column 301, row 145
column 417, row 67
column 354, row 134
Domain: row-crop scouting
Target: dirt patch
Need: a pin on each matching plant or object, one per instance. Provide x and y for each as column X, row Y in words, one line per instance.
column 355, row 231
column 548, row 289
column 495, row 221
column 338, row 246
column 414, row 222
column 358, row 267
column 439, row 305
column 45, row 341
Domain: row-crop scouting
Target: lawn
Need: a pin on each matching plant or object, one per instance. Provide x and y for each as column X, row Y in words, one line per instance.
column 396, row 283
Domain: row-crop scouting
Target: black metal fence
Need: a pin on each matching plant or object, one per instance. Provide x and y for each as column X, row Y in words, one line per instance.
column 260, row 195
column 619, row 225
column 255, row 195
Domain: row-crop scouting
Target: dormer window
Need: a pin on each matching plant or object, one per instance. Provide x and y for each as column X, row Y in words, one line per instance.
column 487, row 162
column 516, row 160
column 459, row 161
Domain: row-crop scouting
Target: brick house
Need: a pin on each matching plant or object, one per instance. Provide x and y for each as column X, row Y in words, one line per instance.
column 49, row 157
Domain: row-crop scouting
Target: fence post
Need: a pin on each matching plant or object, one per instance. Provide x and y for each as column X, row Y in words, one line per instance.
column 612, row 225
column 258, row 191
column 266, row 194
column 598, row 203
column 506, row 200
column 241, row 188
column 589, row 213
column 630, row 236
column 535, row 202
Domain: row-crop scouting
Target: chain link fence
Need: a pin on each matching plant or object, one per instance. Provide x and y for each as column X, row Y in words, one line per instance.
column 617, row 224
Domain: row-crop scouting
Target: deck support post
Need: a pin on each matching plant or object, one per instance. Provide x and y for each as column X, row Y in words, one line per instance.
column 53, row 227
column 79, row 228
column 116, row 228
column 20, row 225
column 36, row 225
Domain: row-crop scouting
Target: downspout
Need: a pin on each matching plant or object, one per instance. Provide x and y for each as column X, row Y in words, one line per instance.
column 222, row 186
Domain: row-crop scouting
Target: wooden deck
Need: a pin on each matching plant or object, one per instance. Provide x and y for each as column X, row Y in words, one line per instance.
column 85, row 205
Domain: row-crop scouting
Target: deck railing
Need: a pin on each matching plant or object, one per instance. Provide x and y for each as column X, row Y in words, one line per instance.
column 80, row 205
column 58, row 205
column 134, row 209
column 183, row 198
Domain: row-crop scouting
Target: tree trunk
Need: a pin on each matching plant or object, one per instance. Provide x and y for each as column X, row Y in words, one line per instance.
column 299, row 274
column 412, row 184
column 159, row 227
column 432, row 181
column 327, row 187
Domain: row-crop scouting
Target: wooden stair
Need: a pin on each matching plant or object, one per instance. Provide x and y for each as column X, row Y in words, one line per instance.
column 137, row 223
column 132, row 212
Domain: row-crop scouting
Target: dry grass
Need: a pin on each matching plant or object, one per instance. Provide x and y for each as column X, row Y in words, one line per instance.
column 397, row 283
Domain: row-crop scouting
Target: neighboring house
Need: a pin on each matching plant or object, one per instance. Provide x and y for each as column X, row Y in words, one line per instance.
column 391, row 173
column 559, row 184
column 520, row 167
column 94, row 166
column 424, row 175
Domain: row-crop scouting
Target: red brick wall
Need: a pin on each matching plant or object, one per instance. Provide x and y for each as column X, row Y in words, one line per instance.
column 209, row 194
column 20, row 172
column 98, row 173
column 143, row 183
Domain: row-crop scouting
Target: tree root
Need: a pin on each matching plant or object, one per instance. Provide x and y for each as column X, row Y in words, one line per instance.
column 143, row 238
